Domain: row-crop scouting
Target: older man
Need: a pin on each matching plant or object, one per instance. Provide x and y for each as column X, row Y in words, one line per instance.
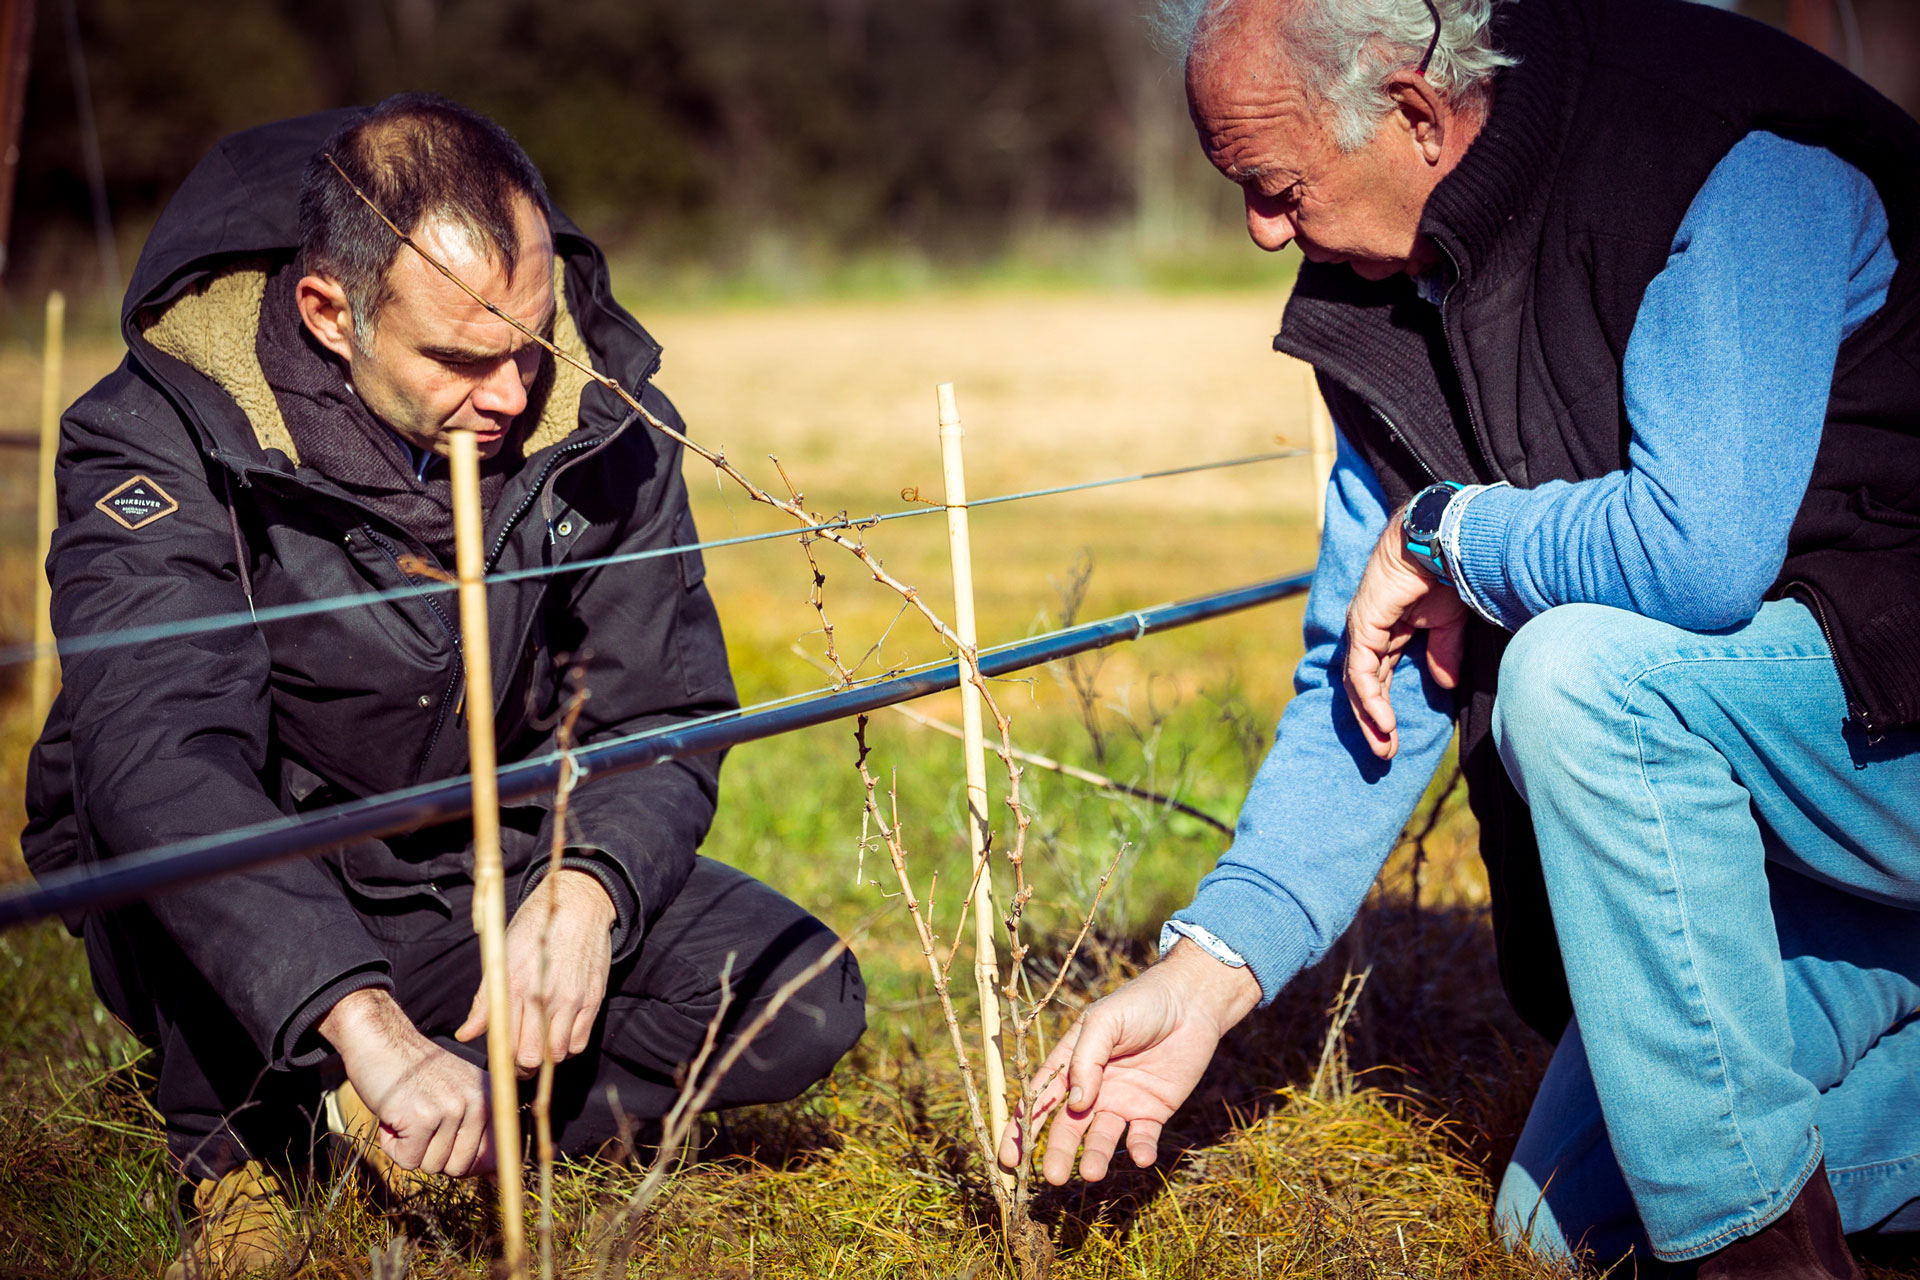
column 275, row 438
column 1616, row 306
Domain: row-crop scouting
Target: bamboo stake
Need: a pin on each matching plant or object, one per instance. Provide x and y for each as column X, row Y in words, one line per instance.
column 489, row 882
column 986, row 967
column 1320, row 436
column 46, row 666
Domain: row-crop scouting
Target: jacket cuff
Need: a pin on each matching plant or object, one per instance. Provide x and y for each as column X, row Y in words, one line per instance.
column 613, row 878
column 1269, row 933
column 299, row 1043
column 1473, row 540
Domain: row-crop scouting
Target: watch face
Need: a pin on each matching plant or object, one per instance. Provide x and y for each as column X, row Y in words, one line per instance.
column 1423, row 517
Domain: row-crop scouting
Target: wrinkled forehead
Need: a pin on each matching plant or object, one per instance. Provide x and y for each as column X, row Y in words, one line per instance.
column 1243, row 91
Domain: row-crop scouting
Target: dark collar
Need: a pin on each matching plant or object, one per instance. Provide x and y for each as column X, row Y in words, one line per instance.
column 1484, row 215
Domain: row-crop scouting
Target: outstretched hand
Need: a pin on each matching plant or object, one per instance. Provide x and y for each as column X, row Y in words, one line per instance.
column 1130, row 1062
column 567, row 918
column 1396, row 598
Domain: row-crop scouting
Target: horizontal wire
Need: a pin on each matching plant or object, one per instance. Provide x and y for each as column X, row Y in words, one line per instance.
column 138, row 875
column 155, row 631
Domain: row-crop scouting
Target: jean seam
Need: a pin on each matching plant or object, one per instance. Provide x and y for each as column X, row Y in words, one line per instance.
column 1765, row 1202
column 1874, row 1168
column 1759, row 1218
column 1686, row 928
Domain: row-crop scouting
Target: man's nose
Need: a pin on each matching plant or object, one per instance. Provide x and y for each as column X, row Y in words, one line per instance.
column 501, row 392
column 1268, row 223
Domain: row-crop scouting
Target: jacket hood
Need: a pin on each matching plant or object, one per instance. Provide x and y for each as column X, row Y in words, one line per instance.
column 196, row 291
column 243, row 198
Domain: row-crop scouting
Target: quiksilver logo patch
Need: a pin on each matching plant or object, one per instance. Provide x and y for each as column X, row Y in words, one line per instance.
column 138, row 503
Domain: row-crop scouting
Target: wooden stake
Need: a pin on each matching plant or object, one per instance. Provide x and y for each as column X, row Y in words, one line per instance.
column 46, row 667
column 986, row 967
column 1320, row 438
column 489, row 882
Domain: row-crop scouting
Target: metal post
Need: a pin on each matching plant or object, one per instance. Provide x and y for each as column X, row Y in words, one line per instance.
column 140, row 875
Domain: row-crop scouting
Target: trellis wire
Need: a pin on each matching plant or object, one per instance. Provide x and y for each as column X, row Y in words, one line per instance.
column 157, row 631
column 140, row 875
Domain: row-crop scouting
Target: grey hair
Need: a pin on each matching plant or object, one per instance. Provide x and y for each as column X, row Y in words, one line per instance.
column 1344, row 50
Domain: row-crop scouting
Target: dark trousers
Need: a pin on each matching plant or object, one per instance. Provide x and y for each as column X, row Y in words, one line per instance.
column 223, row 1105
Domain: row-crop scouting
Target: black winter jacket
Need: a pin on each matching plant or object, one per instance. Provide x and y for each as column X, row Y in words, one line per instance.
column 182, row 495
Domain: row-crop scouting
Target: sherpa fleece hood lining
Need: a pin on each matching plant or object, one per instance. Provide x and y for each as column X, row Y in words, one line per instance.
column 211, row 327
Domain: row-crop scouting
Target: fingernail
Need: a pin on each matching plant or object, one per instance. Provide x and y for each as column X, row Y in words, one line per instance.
column 1073, row 1096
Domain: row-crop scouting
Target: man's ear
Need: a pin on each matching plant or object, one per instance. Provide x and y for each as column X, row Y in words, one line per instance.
column 327, row 314
column 1421, row 112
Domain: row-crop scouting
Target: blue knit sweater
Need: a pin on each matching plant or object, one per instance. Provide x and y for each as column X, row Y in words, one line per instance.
column 1783, row 254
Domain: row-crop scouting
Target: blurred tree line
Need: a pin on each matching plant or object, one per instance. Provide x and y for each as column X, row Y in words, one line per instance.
column 683, row 124
column 692, row 129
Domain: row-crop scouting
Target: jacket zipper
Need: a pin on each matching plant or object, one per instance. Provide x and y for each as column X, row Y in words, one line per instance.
column 549, row 473
column 459, row 655
column 533, row 495
column 1805, row 594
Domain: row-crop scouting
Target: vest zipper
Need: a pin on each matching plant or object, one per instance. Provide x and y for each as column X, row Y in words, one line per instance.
column 1405, row 442
column 1453, row 358
column 1805, row 594
column 459, row 656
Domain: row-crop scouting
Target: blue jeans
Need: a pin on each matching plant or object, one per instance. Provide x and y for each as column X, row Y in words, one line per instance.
column 1734, row 875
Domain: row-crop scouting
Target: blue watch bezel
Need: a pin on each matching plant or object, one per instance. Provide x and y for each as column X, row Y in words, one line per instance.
column 1424, row 543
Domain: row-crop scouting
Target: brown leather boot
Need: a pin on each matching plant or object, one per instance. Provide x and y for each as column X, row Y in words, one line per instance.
column 243, row 1224
column 1804, row 1243
column 357, row 1129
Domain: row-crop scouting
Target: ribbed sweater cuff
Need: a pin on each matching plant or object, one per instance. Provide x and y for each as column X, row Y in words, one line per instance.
column 1267, row 929
column 300, row 1043
column 1473, row 538
column 612, row 878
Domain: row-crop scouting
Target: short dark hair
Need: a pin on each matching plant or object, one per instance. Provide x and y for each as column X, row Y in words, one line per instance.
column 416, row 155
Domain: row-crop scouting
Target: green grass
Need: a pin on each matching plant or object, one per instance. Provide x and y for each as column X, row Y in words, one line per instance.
column 783, row 270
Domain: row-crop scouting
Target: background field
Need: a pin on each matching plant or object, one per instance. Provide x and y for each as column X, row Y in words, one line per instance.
column 1379, row 1163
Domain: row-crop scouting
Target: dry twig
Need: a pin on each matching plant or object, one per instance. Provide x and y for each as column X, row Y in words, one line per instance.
column 543, row 1093
column 929, row 948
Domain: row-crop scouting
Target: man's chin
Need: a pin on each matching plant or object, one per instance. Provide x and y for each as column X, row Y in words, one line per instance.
column 1365, row 268
column 1376, row 268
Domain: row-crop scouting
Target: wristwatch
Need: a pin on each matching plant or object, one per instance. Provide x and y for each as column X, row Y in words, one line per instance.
column 1421, row 523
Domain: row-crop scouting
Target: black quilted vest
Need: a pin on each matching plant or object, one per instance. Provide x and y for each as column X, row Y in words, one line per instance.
column 1556, row 220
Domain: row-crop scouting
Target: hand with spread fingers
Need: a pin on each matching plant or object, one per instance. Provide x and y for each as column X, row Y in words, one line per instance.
column 1130, row 1062
column 559, row 952
column 1397, row 597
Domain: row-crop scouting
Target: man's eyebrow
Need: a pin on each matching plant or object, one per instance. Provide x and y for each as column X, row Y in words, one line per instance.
column 468, row 355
